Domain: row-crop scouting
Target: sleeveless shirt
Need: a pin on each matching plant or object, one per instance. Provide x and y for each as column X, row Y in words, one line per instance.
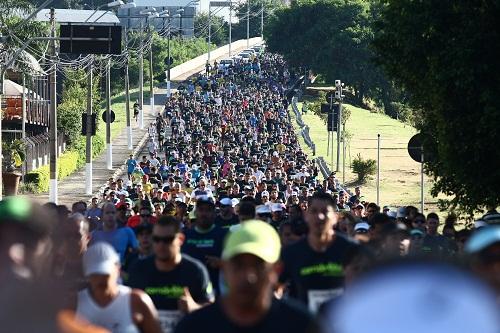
column 116, row 316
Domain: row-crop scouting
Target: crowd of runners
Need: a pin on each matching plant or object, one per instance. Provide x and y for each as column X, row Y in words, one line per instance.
column 226, row 226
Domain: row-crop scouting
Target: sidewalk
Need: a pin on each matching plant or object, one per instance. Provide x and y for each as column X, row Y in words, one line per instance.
column 72, row 188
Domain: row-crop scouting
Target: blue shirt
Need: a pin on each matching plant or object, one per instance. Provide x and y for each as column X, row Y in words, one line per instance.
column 131, row 164
column 121, row 239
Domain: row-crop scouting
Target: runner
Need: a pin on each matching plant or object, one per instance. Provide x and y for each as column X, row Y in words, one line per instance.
column 251, row 270
column 313, row 267
column 122, row 239
column 205, row 240
column 106, row 303
column 177, row 283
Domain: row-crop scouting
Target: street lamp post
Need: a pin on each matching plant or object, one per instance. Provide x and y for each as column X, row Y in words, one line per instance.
column 248, row 23
column 230, row 23
column 169, row 62
column 209, row 29
column 141, row 80
column 127, row 94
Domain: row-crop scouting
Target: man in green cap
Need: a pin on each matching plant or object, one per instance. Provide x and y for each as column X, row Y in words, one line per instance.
column 251, row 269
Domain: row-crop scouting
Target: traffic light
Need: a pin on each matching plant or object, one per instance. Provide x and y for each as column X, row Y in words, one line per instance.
column 93, row 123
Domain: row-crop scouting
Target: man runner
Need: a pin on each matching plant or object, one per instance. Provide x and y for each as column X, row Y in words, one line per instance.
column 177, row 283
column 313, row 266
column 251, row 269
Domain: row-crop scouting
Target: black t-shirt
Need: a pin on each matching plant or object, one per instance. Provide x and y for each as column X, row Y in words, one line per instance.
column 283, row 316
column 219, row 221
column 165, row 288
column 315, row 277
column 199, row 245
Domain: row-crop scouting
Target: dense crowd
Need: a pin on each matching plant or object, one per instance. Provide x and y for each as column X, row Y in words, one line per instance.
column 226, row 226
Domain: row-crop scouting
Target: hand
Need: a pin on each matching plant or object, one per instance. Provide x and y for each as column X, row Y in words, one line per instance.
column 186, row 302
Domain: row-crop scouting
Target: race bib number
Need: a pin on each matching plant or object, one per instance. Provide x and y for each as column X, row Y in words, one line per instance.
column 318, row 297
column 169, row 319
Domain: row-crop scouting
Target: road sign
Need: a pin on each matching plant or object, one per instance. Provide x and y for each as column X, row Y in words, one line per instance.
column 169, row 61
column 92, row 122
column 107, row 39
column 325, row 108
column 330, row 97
column 415, row 147
column 112, row 116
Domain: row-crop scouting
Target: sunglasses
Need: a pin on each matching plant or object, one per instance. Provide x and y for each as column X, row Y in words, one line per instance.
column 145, row 215
column 165, row 239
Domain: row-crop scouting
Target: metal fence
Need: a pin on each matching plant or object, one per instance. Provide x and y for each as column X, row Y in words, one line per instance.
column 38, row 150
column 304, row 129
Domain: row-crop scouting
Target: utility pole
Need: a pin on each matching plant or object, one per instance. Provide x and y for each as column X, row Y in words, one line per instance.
column 88, row 145
column 141, row 80
column 151, row 89
column 339, row 95
column 169, row 63
column 127, row 93
column 23, row 108
column 109, row 145
column 262, row 21
column 248, row 23
column 53, row 193
column 209, row 30
column 230, row 24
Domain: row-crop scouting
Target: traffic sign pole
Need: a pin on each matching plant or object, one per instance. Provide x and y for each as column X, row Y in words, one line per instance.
column 378, row 169
column 422, row 181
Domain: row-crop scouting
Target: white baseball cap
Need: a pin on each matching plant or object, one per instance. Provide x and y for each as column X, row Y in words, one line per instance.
column 361, row 226
column 226, row 202
column 262, row 209
column 277, row 207
column 100, row 258
column 264, row 194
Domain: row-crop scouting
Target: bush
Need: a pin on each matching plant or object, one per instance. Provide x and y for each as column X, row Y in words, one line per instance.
column 363, row 168
column 38, row 179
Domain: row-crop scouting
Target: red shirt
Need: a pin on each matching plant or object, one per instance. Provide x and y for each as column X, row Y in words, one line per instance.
column 135, row 220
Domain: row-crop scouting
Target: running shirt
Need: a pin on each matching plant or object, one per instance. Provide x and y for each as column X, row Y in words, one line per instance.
column 199, row 245
column 115, row 317
column 283, row 316
column 165, row 288
column 315, row 277
column 121, row 239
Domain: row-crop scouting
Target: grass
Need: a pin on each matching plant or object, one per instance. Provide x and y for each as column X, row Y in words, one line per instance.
column 118, row 106
column 399, row 174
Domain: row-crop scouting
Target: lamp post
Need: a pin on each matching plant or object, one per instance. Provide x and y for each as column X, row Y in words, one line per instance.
column 180, row 11
column 169, row 62
column 209, row 30
column 248, row 23
column 146, row 12
column 230, row 23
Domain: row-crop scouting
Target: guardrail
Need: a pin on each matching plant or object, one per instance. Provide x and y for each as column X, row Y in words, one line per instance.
column 304, row 129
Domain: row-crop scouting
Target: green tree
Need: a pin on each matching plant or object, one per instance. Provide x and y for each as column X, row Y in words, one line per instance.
column 444, row 53
column 74, row 103
column 331, row 37
column 218, row 28
column 239, row 29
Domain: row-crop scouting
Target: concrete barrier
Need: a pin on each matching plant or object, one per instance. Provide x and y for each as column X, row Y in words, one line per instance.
column 214, row 54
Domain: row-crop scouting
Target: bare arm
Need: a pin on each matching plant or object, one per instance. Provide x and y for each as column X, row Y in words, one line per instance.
column 144, row 312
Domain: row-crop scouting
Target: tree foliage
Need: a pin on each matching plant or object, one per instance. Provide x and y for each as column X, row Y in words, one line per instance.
column 218, row 28
column 445, row 54
column 239, row 29
column 331, row 37
column 74, row 103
